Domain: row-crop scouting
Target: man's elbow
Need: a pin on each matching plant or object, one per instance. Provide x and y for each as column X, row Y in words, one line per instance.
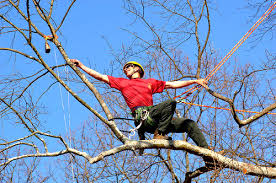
column 170, row 85
column 104, row 78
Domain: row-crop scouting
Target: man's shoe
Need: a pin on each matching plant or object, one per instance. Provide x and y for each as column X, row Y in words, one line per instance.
column 210, row 162
column 160, row 136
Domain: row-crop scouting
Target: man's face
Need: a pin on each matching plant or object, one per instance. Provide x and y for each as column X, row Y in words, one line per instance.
column 129, row 70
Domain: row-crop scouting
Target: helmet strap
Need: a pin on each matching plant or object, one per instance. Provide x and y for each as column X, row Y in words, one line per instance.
column 134, row 71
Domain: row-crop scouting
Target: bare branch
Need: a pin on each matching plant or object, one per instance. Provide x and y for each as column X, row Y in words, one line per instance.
column 63, row 19
column 21, row 53
column 182, row 145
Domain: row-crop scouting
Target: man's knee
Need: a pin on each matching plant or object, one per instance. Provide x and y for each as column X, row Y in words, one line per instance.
column 172, row 104
column 183, row 125
column 190, row 123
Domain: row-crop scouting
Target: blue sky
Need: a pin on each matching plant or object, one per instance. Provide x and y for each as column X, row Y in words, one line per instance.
column 89, row 21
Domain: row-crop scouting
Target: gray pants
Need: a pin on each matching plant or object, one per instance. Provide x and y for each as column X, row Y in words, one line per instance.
column 163, row 121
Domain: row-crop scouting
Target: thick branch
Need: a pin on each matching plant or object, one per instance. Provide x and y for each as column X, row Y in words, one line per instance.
column 246, row 168
column 256, row 116
column 111, row 124
column 249, row 169
column 234, row 113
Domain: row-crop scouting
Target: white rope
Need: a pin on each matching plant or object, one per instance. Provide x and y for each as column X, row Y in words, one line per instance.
column 132, row 131
column 67, row 127
column 144, row 117
column 69, row 119
column 68, row 105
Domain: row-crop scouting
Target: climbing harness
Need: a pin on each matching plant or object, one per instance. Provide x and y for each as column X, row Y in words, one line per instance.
column 47, row 46
column 230, row 53
column 141, row 115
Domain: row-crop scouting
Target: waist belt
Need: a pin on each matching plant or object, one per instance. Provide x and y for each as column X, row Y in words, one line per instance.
column 141, row 115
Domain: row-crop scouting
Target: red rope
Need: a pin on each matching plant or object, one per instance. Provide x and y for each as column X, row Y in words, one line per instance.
column 230, row 53
column 253, row 28
column 49, row 37
column 222, row 108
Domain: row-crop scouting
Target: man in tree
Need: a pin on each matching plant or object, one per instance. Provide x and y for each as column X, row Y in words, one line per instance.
column 137, row 92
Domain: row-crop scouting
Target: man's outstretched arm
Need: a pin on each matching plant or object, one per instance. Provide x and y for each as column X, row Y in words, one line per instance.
column 181, row 84
column 91, row 72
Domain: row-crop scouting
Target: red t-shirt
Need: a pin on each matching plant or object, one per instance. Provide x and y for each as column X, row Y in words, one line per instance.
column 137, row 92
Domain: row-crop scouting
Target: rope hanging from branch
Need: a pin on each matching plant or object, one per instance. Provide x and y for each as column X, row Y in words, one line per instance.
column 222, row 108
column 229, row 54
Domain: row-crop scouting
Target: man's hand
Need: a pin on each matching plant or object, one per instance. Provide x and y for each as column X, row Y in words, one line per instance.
column 89, row 71
column 76, row 62
column 202, row 82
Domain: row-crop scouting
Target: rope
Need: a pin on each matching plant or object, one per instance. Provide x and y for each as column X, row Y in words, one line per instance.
column 245, row 111
column 230, row 53
column 131, row 131
column 67, row 127
column 130, row 119
column 242, row 40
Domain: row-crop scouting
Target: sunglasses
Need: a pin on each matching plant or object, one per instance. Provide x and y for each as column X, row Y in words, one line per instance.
column 128, row 66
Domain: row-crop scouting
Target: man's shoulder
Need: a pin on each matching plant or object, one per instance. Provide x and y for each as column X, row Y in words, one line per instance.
column 150, row 79
column 117, row 78
column 154, row 80
column 147, row 80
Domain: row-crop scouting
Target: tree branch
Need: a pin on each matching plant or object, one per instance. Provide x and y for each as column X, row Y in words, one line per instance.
column 246, row 168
